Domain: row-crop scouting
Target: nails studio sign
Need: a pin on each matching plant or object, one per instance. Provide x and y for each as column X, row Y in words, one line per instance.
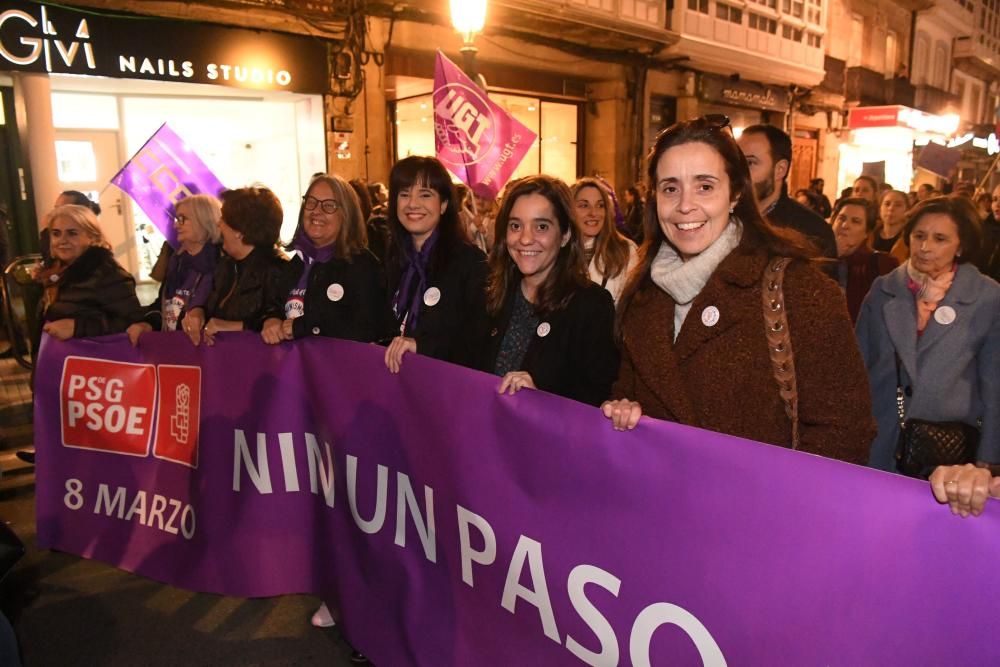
column 35, row 37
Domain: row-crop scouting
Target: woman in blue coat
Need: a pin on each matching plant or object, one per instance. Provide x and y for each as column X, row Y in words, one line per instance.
column 941, row 318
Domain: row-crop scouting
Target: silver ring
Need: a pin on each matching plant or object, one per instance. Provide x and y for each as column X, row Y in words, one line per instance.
column 952, row 481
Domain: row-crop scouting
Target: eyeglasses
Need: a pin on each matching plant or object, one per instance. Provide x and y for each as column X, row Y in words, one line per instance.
column 181, row 219
column 309, row 203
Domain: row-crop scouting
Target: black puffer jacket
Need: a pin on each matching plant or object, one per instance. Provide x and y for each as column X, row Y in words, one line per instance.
column 96, row 293
column 242, row 290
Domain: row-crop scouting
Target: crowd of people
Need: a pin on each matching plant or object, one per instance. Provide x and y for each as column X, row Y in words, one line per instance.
column 717, row 300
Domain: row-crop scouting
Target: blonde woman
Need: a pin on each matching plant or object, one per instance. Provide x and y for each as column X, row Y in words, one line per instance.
column 188, row 279
column 610, row 256
column 87, row 293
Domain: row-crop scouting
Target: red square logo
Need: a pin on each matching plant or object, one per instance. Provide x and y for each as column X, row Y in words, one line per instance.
column 107, row 405
column 179, row 414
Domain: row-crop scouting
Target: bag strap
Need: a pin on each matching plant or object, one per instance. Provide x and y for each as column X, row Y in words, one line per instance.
column 900, row 399
column 779, row 340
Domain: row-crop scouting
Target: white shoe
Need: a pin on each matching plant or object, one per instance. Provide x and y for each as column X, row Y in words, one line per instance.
column 323, row 618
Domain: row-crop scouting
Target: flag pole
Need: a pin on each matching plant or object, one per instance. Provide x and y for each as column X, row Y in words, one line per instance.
column 986, row 178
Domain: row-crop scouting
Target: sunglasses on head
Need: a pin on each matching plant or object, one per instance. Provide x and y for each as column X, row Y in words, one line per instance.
column 717, row 120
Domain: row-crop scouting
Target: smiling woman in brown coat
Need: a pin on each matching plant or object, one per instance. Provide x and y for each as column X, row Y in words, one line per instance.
column 695, row 346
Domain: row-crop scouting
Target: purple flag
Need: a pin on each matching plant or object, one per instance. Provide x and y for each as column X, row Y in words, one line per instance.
column 164, row 171
column 450, row 525
column 475, row 138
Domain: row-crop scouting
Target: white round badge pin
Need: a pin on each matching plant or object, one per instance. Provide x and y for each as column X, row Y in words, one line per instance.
column 335, row 292
column 432, row 296
column 945, row 315
column 710, row 316
column 543, row 329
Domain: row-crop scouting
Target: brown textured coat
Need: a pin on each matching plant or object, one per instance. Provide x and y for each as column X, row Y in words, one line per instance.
column 720, row 377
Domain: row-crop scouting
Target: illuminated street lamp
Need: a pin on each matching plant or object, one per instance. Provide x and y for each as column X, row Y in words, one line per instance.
column 468, row 18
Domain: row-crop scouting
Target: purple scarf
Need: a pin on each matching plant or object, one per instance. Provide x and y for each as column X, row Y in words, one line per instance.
column 310, row 254
column 413, row 282
column 190, row 276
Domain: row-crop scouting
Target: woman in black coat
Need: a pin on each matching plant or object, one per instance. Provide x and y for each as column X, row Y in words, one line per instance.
column 548, row 326
column 87, row 293
column 251, row 273
column 335, row 285
column 436, row 277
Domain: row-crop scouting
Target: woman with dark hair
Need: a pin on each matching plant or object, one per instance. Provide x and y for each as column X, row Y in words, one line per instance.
column 858, row 265
column 335, row 286
column 930, row 336
column 610, row 256
column 250, row 274
column 866, row 188
column 436, row 278
column 706, row 335
column 888, row 234
column 549, row 327
column 188, row 277
column 633, row 213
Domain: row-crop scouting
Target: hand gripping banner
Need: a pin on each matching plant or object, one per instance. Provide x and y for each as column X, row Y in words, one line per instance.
column 477, row 139
column 164, row 171
column 449, row 525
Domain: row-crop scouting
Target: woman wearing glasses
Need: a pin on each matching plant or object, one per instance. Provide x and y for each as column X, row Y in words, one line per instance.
column 335, row 285
column 188, row 280
column 692, row 318
column 250, row 273
column 437, row 279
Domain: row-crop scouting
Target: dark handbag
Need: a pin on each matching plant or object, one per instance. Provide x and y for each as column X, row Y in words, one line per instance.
column 924, row 445
column 11, row 549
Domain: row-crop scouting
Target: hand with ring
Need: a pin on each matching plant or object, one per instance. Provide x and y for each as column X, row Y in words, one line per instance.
column 193, row 322
column 515, row 381
column 965, row 488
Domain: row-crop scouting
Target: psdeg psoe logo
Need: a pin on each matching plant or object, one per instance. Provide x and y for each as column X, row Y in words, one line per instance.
column 464, row 124
column 108, row 406
column 44, row 45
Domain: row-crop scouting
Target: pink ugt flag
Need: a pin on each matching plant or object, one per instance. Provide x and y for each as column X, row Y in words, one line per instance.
column 475, row 138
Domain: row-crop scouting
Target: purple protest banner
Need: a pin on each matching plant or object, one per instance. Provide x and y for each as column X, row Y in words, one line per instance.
column 161, row 173
column 454, row 526
column 478, row 140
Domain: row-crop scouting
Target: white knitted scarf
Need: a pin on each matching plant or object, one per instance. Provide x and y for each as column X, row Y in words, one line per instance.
column 683, row 281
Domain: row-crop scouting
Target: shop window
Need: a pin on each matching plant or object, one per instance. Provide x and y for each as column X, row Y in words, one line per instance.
column 76, row 161
column 554, row 152
column 727, row 13
column 700, row 6
column 80, row 111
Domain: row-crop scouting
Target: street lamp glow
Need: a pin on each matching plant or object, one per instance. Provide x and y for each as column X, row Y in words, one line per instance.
column 468, row 17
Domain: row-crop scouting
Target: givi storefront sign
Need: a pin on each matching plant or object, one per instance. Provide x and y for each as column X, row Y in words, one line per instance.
column 38, row 37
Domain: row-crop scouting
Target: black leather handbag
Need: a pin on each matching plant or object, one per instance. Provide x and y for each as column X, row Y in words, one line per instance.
column 924, row 445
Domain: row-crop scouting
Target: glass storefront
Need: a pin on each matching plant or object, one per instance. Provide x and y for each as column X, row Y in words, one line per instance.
column 556, row 123
column 274, row 139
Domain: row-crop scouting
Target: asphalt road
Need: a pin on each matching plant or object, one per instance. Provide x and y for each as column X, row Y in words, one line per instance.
column 68, row 610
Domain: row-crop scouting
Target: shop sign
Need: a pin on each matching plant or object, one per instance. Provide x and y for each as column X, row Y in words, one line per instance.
column 989, row 143
column 900, row 116
column 37, row 37
column 723, row 90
